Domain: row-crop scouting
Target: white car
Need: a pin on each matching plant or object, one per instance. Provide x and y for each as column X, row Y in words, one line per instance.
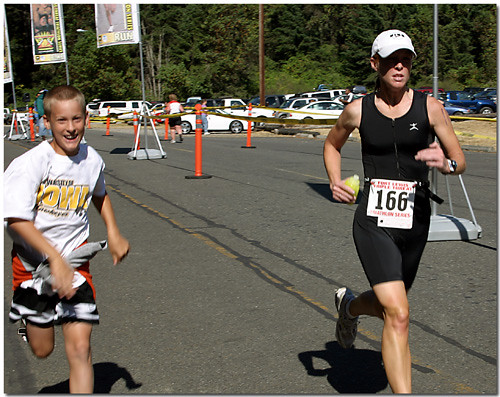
column 317, row 110
column 215, row 123
column 292, row 104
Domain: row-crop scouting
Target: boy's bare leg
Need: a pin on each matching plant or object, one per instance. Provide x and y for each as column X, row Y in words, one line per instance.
column 77, row 344
column 41, row 340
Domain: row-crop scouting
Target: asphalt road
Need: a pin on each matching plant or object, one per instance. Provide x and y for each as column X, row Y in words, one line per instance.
column 229, row 286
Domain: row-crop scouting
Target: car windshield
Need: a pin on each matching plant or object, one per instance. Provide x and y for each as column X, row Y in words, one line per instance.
column 287, row 103
column 465, row 96
column 486, row 93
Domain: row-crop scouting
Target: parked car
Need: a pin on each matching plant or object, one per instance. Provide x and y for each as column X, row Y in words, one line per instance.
column 120, row 107
column 462, row 98
column 93, row 108
column 322, row 87
column 456, row 110
column 215, row 123
column 317, row 110
column 191, row 101
column 473, row 90
column 489, row 93
column 7, row 115
column 359, row 89
column 272, row 101
column 290, row 104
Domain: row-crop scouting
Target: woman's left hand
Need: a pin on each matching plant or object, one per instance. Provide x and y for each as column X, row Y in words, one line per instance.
column 434, row 156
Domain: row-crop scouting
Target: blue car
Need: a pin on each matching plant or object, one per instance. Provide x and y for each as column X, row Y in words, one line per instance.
column 456, row 110
column 463, row 98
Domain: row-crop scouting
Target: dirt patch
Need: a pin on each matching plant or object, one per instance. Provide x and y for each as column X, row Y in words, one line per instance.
column 476, row 133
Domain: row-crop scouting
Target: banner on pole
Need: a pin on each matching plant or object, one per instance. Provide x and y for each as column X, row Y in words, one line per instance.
column 117, row 24
column 47, row 28
column 7, row 63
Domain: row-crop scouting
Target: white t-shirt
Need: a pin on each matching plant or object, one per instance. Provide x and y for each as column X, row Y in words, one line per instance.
column 175, row 107
column 54, row 192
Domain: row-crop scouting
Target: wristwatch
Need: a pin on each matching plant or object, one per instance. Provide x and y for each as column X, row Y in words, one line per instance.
column 453, row 165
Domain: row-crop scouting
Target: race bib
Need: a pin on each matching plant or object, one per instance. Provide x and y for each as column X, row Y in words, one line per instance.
column 392, row 202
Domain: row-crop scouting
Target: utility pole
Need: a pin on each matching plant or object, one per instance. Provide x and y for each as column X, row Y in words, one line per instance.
column 262, row 72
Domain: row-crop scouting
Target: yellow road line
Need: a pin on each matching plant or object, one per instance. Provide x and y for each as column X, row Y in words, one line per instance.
column 299, row 173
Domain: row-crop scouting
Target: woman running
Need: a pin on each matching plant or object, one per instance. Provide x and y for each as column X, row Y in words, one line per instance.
column 398, row 127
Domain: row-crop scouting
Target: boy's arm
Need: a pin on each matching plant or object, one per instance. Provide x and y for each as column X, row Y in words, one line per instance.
column 62, row 273
column 118, row 245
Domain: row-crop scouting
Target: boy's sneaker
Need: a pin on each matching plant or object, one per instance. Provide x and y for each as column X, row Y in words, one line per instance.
column 346, row 327
column 21, row 331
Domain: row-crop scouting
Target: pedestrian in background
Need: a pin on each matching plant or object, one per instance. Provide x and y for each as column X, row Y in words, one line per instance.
column 204, row 117
column 398, row 127
column 174, row 107
column 350, row 96
column 43, row 132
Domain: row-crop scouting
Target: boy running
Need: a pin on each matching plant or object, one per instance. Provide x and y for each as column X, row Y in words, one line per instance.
column 47, row 192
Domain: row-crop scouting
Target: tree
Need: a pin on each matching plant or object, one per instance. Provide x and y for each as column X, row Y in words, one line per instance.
column 212, row 49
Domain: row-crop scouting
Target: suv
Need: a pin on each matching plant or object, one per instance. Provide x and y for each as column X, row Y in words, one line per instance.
column 462, row 98
column 118, row 107
column 291, row 104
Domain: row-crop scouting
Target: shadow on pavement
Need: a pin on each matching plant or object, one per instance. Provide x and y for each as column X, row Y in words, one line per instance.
column 121, row 150
column 323, row 189
column 105, row 376
column 347, row 370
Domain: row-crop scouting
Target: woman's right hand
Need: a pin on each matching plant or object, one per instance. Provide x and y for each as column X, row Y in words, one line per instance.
column 342, row 193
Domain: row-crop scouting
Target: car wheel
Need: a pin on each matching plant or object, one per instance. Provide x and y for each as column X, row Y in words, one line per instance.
column 186, row 127
column 236, row 127
column 486, row 110
column 283, row 116
column 457, row 114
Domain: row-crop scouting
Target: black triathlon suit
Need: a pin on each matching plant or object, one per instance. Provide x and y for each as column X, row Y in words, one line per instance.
column 388, row 149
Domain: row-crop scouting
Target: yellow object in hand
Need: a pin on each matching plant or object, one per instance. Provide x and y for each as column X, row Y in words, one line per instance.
column 353, row 183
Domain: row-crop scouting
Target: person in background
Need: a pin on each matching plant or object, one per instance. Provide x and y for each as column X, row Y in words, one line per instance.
column 204, row 117
column 350, row 96
column 173, row 107
column 398, row 127
column 43, row 132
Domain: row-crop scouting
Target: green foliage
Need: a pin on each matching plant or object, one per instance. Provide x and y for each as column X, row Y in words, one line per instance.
column 212, row 50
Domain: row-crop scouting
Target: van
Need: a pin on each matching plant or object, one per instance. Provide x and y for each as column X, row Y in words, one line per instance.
column 119, row 107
